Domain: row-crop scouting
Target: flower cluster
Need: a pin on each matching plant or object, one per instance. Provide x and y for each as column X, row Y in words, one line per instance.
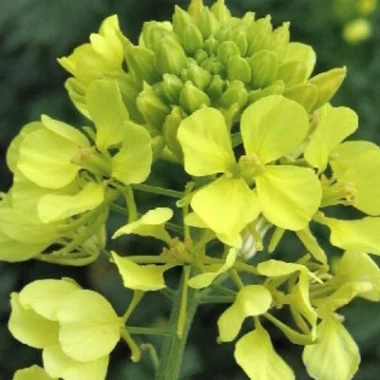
column 232, row 101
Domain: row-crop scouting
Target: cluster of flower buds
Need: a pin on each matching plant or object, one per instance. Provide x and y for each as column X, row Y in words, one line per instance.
column 231, row 100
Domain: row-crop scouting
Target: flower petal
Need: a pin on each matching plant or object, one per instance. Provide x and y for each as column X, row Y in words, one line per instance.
column 133, row 162
column 273, row 127
column 251, row 301
column 150, row 224
column 107, row 110
column 205, row 279
column 335, row 356
column 140, row 277
column 335, row 124
column 44, row 296
column 226, row 205
column 206, row 143
column 289, row 195
column 34, row 372
column 89, row 326
column 52, row 207
column 58, row 364
column 30, row 328
column 255, row 354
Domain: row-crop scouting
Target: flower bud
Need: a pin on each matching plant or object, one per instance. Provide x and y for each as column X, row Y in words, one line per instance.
column 181, row 20
column 170, row 129
column 158, row 145
column 226, row 50
column 264, row 67
column 240, row 39
column 238, row 68
column 280, row 40
column 216, row 87
column 141, row 61
column 305, row 94
column 153, row 109
column 235, row 93
column 195, row 9
column 276, row 88
column 293, row 73
column 170, row 56
column 192, row 39
column 357, row 31
column 221, row 12
column 192, row 98
column 210, row 46
column 213, row 66
column 259, row 34
column 171, row 87
column 207, row 23
column 200, row 77
column 328, row 84
column 153, row 32
column 200, row 56
column 129, row 92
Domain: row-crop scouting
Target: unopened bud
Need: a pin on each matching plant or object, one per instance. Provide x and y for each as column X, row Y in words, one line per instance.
column 259, row 34
column 305, row 94
column 171, row 87
column 276, row 88
column 227, row 50
column 264, row 67
column 210, row 46
column 181, row 20
column 153, row 109
column 207, row 23
column 238, row 68
column 235, row 93
column 221, row 12
column 357, row 31
column 129, row 92
column 200, row 56
column 328, row 84
column 293, row 73
column 280, row 39
column 216, row 87
column 153, row 32
column 170, row 129
column 192, row 98
column 240, row 39
column 195, row 9
column 192, row 39
column 170, row 56
column 200, row 77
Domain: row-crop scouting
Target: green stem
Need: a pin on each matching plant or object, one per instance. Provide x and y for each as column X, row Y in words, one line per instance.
column 136, row 330
column 218, row 299
column 173, row 348
column 131, row 204
column 158, row 190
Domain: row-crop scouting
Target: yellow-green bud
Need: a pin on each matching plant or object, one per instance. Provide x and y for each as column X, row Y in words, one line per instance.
column 238, row 68
column 210, row 46
column 153, row 32
column 235, row 93
column 170, row 56
column 221, row 12
column 200, row 56
column 264, row 68
column 240, row 39
column 141, row 61
column 226, row 50
column 276, row 88
column 158, row 145
column 304, row 93
column 195, row 9
column 213, row 66
column 357, row 31
column 259, row 34
column 293, row 72
column 207, row 23
column 280, row 39
column 216, row 87
column 192, row 98
column 172, row 87
column 153, row 109
column 200, row 77
column 328, row 84
column 192, row 39
column 170, row 128
column 181, row 20
column 129, row 92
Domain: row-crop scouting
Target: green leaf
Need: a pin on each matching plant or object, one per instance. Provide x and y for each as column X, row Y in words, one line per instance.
column 132, row 164
column 52, row 207
column 89, row 326
column 335, row 356
column 251, row 301
column 206, row 143
column 30, row 328
column 273, row 127
column 289, row 195
column 335, row 124
column 255, row 354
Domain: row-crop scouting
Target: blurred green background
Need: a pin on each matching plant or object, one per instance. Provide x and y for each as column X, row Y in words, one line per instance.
column 33, row 33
